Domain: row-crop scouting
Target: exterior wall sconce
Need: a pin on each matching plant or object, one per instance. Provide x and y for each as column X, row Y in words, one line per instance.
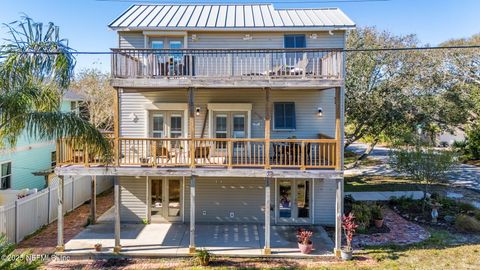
column 320, row 112
column 194, row 37
column 197, row 111
column 313, row 36
column 247, row 37
column 133, row 117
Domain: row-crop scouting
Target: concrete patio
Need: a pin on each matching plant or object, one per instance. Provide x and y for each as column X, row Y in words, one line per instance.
column 173, row 239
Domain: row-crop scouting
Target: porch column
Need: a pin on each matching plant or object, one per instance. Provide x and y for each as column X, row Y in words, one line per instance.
column 191, row 124
column 338, row 130
column 60, row 192
column 117, row 247
column 268, row 110
column 93, row 200
column 266, row 249
column 338, row 214
column 191, row 248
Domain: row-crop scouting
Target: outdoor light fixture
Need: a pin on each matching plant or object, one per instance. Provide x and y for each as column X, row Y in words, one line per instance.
column 133, row 117
column 197, row 111
column 194, row 37
column 247, row 37
column 320, row 112
column 313, row 36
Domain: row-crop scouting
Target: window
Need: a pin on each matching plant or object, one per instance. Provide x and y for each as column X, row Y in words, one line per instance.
column 6, row 175
column 157, row 127
column 53, row 159
column 295, row 41
column 175, row 126
column 284, row 116
column 158, row 44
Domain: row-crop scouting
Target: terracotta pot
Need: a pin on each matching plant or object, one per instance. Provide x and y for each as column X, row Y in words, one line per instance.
column 305, row 249
column 378, row 223
column 346, row 255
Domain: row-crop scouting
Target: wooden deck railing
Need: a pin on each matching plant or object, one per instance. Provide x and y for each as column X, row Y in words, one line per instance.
column 228, row 63
column 228, row 153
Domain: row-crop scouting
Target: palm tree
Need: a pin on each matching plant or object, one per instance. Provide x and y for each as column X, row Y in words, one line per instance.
column 36, row 66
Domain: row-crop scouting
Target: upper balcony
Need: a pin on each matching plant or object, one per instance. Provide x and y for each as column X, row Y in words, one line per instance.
column 227, row 68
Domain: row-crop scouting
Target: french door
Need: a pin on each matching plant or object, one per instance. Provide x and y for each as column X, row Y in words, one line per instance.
column 293, row 201
column 230, row 125
column 166, row 200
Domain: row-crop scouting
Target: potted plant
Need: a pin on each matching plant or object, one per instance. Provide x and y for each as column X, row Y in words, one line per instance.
column 304, row 243
column 377, row 215
column 349, row 227
column 203, row 257
column 98, row 247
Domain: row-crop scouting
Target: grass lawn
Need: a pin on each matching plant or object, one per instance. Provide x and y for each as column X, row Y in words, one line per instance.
column 379, row 183
column 351, row 157
column 435, row 253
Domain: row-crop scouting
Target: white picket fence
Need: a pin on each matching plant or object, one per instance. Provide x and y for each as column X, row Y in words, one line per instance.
column 25, row 216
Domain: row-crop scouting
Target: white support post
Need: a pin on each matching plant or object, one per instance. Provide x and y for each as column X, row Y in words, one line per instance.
column 191, row 248
column 266, row 249
column 117, row 248
column 60, row 244
column 338, row 215
column 93, row 200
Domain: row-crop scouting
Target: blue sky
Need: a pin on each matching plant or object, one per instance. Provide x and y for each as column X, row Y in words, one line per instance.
column 84, row 22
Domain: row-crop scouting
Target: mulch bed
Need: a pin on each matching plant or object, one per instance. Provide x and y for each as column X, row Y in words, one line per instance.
column 45, row 241
column 402, row 232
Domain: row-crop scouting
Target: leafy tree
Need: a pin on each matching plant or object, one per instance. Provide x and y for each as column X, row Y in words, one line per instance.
column 36, row 65
column 377, row 84
column 94, row 87
column 423, row 165
column 12, row 261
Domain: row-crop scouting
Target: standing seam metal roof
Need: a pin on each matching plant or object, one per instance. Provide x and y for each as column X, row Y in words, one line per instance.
column 174, row 17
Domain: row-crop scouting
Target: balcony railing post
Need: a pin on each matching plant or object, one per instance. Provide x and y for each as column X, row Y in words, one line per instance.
column 230, row 153
column 302, row 164
column 153, row 144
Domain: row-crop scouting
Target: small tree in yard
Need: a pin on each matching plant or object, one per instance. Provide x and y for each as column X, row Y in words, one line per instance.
column 423, row 165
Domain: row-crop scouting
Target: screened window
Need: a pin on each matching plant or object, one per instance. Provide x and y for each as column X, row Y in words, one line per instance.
column 284, row 115
column 6, row 175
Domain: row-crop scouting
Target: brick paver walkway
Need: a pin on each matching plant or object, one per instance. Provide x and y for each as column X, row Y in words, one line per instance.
column 45, row 241
column 402, row 232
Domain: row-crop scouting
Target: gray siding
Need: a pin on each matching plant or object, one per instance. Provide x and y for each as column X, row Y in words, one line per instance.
column 309, row 125
column 234, row 40
column 245, row 197
column 220, row 196
column 324, row 198
column 131, row 40
column 133, row 197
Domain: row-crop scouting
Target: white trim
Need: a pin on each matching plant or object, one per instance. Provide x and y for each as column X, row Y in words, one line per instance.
column 313, row 201
column 164, row 33
column 11, row 173
column 166, row 107
column 229, row 107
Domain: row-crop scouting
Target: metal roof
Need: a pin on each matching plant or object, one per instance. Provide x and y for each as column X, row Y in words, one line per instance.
column 229, row 17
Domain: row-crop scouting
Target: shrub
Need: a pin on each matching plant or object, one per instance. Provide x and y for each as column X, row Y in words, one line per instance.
column 15, row 261
column 304, row 236
column 466, row 207
column 466, row 223
column 203, row 257
column 362, row 214
column 376, row 211
column 477, row 215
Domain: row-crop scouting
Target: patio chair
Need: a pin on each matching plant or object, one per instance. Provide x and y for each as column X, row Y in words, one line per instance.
column 203, row 152
column 300, row 67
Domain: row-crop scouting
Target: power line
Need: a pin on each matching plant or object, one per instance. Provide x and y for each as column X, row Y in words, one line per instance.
column 265, row 49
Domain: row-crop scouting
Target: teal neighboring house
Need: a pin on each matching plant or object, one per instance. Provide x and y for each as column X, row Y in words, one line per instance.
column 29, row 164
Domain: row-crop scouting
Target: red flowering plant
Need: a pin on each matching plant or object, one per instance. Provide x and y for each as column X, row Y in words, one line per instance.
column 304, row 236
column 349, row 227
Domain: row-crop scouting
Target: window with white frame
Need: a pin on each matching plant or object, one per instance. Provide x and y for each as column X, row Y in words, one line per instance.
column 6, row 175
column 167, row 124
column 158, row 125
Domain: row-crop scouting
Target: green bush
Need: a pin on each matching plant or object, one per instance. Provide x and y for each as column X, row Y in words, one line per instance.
column 466, row 207
column 477, row 215
column 466, row 223
column 15, row 261
column 470, row 148
column 363, row 215
column 376, row 211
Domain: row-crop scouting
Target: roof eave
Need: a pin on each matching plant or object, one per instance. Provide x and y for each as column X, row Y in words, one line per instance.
column 239, row 29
